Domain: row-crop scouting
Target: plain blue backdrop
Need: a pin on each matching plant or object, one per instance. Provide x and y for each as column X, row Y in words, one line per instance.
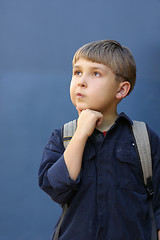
column 37, row 41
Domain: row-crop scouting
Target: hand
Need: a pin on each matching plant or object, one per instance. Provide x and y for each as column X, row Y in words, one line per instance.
column 87, row 121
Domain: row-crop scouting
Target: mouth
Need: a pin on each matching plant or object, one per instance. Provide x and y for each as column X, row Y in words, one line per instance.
column 79, row 95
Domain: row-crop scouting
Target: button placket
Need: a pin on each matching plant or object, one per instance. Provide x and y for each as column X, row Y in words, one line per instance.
column 101, row 185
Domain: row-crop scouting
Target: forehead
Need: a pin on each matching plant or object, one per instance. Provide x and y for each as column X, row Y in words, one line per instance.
column 86, row 63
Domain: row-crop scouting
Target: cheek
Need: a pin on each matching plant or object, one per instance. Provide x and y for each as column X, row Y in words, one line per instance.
column 72, row 93
column 98, row 91
column 71, row 87
column 102, row 95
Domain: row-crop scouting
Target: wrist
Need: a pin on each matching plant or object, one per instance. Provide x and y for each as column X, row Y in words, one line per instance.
column 81, row 135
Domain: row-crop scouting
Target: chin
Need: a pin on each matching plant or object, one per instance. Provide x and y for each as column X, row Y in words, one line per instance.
column 81, row 107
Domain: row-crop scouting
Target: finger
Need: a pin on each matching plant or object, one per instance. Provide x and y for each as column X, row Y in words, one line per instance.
column 99, row 122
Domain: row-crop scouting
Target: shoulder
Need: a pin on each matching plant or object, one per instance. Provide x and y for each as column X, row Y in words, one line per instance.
column 154, row 139
column 55, row 141
column 69, row 128
column 152, row 134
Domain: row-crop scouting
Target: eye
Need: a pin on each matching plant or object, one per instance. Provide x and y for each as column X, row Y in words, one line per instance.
column 96, row 74
column 77, row 73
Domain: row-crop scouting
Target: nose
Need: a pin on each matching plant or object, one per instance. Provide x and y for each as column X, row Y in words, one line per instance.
column 82, row 83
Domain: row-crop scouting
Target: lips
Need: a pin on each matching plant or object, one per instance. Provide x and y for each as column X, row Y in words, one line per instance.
column 79, row 95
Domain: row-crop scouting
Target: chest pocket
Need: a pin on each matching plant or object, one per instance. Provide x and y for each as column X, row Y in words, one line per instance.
column 128, row 170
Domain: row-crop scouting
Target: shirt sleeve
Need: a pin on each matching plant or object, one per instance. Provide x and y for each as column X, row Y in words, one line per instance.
column 155, row 151
column 53, row 174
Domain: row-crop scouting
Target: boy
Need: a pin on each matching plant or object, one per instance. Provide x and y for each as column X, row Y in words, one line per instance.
column 98, row 175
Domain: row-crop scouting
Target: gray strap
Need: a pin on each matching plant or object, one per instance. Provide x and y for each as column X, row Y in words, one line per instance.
column 68, row 132
column 154, row 234
column 143, row 145
column 56, row 236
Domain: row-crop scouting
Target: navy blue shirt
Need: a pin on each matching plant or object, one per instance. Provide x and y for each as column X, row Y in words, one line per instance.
column 108, row 201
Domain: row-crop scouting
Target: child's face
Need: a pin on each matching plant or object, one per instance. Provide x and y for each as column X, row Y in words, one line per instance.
column 93, row 86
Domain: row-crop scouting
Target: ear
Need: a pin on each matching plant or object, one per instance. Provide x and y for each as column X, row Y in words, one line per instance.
column 123, row 90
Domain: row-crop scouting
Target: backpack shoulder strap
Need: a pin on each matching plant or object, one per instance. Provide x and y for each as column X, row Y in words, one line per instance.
column 68, row 131
column 143, row 145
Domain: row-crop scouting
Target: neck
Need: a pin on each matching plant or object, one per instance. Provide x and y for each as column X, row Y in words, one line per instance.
column 107, row 122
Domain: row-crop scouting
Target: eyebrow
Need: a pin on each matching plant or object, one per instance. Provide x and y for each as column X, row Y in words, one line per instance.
column 93, row 68
column 76, row 66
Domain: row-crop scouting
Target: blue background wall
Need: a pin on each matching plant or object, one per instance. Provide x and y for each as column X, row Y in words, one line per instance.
column 37, row 41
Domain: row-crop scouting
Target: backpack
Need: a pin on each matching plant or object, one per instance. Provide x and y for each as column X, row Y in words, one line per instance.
column 141, row 137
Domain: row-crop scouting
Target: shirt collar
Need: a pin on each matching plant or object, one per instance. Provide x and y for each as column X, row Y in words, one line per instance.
column 123, row 116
